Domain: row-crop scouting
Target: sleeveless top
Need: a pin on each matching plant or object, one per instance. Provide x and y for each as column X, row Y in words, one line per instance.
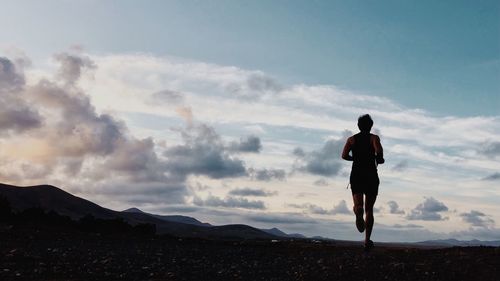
column 363, row 154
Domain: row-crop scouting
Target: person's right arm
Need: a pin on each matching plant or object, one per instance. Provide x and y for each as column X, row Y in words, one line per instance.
column 347, row 149
column 379, row 151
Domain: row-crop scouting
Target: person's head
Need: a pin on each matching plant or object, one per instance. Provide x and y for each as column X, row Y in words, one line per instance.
column 365, row 123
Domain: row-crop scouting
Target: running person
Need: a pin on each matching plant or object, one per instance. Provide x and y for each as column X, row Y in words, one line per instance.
column 367, row 153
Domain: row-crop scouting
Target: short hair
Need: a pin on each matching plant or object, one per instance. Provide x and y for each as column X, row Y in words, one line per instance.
column 365, row 123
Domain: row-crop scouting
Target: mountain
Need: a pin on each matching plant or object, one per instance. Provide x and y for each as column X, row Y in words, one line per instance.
column 461, row 243
column 297, row 235
column 49, row 197
column 171, row 218
column 132, row 210
column 275, row 231
column 182, row 219
column 279, row 233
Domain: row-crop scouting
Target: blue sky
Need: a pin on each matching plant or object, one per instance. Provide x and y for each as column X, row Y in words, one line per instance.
column 223, row 110
column 443, row 56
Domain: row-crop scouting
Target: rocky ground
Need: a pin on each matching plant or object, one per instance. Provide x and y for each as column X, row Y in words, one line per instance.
column 27, row 253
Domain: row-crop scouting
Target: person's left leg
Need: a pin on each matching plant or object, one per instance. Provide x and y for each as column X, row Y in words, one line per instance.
column 358, row 211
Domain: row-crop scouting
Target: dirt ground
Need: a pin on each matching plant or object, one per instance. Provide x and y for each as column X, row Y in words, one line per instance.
column 58, row 254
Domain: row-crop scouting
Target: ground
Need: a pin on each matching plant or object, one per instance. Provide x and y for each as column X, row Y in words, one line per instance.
column 59, row 254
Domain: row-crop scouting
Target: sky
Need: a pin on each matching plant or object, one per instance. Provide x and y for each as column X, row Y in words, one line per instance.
column 237, row 111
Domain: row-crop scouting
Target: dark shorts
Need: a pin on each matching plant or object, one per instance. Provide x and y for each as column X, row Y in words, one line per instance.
column 364, row 183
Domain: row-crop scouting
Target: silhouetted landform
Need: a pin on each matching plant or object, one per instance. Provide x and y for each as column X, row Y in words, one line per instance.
column 172, row 218
column 50, row 198
column 279, row 233
column 460, row 243
column 190, row 220
column 38, row 243
column 51, row 253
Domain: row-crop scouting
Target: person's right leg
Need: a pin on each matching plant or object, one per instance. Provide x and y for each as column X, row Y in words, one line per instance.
column 370, row 201
column 358, row 211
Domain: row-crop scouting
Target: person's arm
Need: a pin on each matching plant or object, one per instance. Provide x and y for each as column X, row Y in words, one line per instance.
column 347, row 149
column 379, row 151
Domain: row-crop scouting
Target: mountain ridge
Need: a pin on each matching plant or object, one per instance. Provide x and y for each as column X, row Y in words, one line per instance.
column 171, row 218
column 51, row 198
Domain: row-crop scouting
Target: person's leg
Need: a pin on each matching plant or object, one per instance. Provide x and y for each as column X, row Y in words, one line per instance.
column 358, row 211
column 370, row 201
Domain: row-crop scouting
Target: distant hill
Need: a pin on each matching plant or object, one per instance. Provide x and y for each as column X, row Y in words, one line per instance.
column 49, row 197
column 133, row 210
column 296, row 235
column 275, row 231
column 171, row 218
column 279, row 233
column 455, row 242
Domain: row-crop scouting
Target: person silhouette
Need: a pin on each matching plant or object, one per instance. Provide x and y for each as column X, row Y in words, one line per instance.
column 367, row 153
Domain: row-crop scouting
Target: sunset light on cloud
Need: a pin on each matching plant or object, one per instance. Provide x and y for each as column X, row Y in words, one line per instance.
column 227, row 139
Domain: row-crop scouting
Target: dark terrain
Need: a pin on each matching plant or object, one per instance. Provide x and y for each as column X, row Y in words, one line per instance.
column 57, row 254
column 49, row 234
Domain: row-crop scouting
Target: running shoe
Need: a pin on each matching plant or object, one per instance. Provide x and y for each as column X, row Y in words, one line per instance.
column 368, row 245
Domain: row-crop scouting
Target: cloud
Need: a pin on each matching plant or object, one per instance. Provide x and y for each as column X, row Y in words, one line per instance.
column 203, row 153
column 71, row 66
column 64, row 126
column 400, row 166
column 246, row 191
column 311, row 208
column 255, row 86
column 312, row 106
column 476, row 218
column 490, row 149
column 137, row 160
column 266, row 174
column 321, row 182
column 286, row 218
column 394, row 208
column 10, row 79
column 299, row 152
column 135, row 193
column 229, row 202
column 340, row 208
column 167, row 97
column 481, row 233
column 16, row 114
column 17, row 117
column 262, row 83
column 74, row 120
column 297, row 116
column 410, row 226
column 70, row 142
column 305, row 194
column 178, row 209
column 247, row 144
column 492, row 177
column 186, row 113
column 429, row 210
column 326, row 161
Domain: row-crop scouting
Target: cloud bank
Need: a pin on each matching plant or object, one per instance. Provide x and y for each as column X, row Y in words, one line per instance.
column 179, row 122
